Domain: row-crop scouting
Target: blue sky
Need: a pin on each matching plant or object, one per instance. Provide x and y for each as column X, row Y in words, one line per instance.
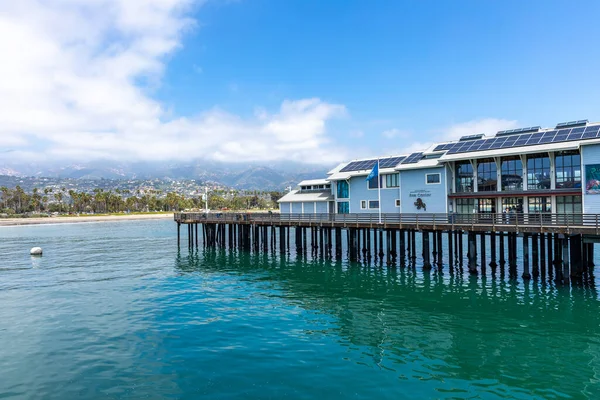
column 308, row 79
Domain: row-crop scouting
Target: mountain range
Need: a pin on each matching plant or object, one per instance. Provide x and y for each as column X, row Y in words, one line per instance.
column 273, row 176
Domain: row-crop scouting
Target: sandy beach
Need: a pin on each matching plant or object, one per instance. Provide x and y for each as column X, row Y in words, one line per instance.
column 79, row 219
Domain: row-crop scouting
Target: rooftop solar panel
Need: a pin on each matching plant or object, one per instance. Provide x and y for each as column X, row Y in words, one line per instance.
column 471, row 137
column 389, row 162
column 413, row 158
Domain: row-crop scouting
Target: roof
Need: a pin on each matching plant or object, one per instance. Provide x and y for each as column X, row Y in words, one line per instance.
column 295, row 196
column 311, row 182
column 515, row 150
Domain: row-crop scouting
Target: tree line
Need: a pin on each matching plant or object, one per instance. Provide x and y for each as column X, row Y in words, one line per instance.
column 61, row 200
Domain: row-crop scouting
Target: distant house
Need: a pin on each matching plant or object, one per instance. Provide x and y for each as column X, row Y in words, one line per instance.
column 310, row 197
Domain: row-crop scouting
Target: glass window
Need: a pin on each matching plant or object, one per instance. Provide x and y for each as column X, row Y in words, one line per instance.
column 539, row 205
column 397, row 202
column 391, row 181
column 432, row 179
column 343, row 207
column 486, row 206
column 465, row 206
column 568, row 170
column 363, row 204
column 373, row 203
column 487, row 179
column 510, row 204
column 512, row 173
column 538, row 172
column 464, row 177
column 568, row 205
column 342, row 189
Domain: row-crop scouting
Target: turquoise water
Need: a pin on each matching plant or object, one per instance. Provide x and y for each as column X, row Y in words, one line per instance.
column 115, row 311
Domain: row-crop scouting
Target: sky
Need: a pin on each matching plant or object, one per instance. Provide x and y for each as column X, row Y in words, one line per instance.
column 299, row 80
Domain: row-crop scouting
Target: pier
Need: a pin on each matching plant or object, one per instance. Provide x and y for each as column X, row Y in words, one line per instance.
column 558, row 246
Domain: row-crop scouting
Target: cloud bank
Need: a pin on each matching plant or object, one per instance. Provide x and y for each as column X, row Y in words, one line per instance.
column 77, row 81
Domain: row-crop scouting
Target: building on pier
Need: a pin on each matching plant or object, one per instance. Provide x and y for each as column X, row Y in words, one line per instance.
column 310, row 197
column 528, row 170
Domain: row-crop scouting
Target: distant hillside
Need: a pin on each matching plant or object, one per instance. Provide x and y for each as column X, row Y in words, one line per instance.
column 276, row 176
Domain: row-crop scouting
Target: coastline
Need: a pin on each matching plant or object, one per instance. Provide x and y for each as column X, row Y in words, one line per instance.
column 79, row 219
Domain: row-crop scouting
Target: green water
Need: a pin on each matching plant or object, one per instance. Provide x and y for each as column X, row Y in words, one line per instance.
column 116, row 311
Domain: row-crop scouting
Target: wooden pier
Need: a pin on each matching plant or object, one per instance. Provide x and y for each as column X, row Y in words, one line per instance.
column 552, row 245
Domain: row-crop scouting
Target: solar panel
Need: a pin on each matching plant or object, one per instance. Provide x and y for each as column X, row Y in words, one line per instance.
column 390, row 162
column 471, row 137
column 444, row 146
column 413, row 158
column 570, row 124
column 359, row 165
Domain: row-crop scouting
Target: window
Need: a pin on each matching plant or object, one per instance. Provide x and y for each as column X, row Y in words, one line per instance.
column 539, row 205
column 363, row 204
column 373, row 204
column 512, row 204
column 343, row 207
column 391, row 181
column 397, row 202
column 487, row 179
column 568, row 205
column 342, row 189
column 373, row 182
column 568, row 170
column 538, row 172
column 465, row 206
column 486, row 206
column 464, row 177
column 512, row 173
column 433, row 179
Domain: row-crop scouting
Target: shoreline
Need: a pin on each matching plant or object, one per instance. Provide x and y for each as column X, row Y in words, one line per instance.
column 79, row 219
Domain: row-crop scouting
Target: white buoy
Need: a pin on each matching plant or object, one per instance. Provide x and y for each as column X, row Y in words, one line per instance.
column 36, row 251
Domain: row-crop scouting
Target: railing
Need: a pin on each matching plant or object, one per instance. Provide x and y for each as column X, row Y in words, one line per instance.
column 540, row 220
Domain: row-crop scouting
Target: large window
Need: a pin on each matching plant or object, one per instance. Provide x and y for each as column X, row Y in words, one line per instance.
column 342, row 190
column 538, row 172
column 464, row 177
column 343, row 207
column 465, row 206
column 487, row 179
column 539, row 205
column 391, row 181
column 568, row 205
column 512, row 173
column 568, row 170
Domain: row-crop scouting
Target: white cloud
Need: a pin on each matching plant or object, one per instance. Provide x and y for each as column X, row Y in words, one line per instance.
column 395, row 134
column 483, row 125
column 70, row 86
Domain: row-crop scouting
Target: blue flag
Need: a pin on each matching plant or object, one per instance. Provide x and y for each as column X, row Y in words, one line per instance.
column 374, row 172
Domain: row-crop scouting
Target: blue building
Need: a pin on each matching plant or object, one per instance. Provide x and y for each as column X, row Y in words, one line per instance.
column 528, row 170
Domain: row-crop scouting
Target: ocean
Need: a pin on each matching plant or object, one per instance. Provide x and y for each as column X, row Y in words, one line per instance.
column 116, row 310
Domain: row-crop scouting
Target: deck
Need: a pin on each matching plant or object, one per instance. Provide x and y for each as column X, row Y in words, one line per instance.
column 569, row 224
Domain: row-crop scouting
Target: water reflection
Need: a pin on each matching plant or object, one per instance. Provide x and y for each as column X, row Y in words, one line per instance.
column 445, row 325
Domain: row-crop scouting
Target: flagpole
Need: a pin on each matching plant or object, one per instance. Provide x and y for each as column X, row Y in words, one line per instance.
column 379, row 188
